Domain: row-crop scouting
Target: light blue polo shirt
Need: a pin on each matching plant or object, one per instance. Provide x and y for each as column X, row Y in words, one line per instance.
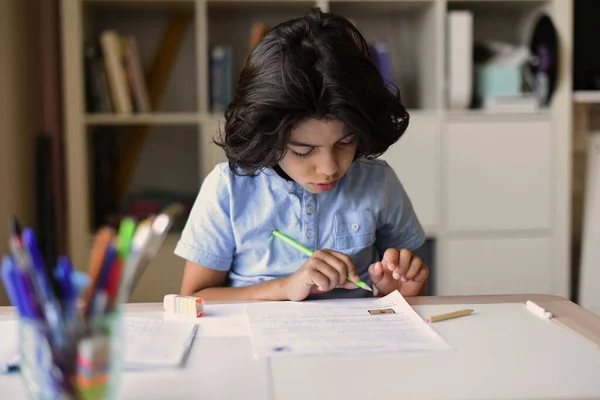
column 231, row 222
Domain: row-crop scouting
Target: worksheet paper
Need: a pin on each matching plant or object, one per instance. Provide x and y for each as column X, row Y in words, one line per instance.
column 340, row 326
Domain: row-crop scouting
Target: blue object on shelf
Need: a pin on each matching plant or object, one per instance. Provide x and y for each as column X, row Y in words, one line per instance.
column 499, row 80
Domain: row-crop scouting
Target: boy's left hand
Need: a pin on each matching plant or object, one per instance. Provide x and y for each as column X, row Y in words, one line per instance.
column 399, row 269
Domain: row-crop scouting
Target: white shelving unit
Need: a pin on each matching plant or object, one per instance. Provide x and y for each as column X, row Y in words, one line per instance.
column 586, row 97
column 493, row 190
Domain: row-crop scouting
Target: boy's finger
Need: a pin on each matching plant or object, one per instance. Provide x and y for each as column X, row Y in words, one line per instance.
column 406, row 257
column 338, row 262
column 415, row 265
column 391, row 259
column 422, row 274
column 350, row 269
column 325, row 259
column 332, row 274
column 318, row 279
column 376, row 272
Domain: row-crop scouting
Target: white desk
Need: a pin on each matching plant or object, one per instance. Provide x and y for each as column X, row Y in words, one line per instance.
column 487, row 362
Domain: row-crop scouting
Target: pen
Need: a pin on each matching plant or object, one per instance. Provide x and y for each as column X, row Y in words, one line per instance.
column 43, row 284
column 158, row 232
column 63, row 275
column 44, row 279
column 309, row 253
column 139, row 241
column 145, row 244
column 23, row 279
column 8, row 280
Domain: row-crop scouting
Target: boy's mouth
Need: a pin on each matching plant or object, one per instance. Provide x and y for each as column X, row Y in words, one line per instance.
column 324, row 187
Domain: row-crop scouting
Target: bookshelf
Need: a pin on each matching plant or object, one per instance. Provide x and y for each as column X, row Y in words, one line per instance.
column 464, row 169
column 143, row 119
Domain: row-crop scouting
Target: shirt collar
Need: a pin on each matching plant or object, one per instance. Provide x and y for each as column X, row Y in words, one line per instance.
column 281, row 183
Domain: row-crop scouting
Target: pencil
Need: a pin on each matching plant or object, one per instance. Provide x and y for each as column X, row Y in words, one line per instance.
column 309, row 253
column 450, row 315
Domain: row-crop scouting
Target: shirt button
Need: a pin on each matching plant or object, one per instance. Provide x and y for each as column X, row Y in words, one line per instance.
column 309, row 234
column 309, row 209
column 354, row 227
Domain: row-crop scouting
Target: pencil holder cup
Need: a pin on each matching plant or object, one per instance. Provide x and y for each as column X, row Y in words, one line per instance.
column 82, row 361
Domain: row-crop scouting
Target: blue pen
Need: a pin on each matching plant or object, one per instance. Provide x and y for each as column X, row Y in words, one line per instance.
column 49, row 303
column 24, row 290
column 62, row 274
column 8, row 280
column 44, row 279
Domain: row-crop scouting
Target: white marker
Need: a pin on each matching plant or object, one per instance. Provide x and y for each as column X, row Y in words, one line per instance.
column 537, row 310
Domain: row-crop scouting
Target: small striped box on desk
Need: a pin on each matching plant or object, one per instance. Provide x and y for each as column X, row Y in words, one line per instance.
column 184, row 305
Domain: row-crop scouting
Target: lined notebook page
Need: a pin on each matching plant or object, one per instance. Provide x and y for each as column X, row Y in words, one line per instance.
column 153, row 343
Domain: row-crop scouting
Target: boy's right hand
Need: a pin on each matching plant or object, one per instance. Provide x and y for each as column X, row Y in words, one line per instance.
column 325, row 270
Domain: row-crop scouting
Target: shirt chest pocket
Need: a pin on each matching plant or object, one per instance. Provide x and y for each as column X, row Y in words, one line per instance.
column 354, row 230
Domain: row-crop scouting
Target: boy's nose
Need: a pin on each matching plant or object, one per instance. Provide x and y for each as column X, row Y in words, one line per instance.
column 328, row 167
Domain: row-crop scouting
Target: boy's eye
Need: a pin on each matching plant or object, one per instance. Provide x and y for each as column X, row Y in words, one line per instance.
column 302, row 155
column 347, row 141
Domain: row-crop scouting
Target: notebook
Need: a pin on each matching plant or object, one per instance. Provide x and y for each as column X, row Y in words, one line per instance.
column 154, row 343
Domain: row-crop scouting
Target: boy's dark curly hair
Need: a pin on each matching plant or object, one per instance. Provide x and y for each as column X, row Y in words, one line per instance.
column 317, row 66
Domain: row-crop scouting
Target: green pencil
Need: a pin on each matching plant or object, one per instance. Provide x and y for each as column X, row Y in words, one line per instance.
column 126, row 231
column 309, row 253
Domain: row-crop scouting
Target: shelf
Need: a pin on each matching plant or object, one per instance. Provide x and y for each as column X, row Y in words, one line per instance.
column 497, row 5
column 378, row 6
column 507, row 21
column 482, row 115
column 179, row 92
column 143, row 119
column 405, row 33
column 586, row 97
column 146, row 4
column 258, row 5
column 231, row 24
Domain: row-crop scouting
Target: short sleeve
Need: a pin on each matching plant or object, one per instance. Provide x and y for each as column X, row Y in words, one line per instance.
column 398, row 224
column 207, row 237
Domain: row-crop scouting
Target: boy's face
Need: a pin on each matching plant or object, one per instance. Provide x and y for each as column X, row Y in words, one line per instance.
column 318, row 154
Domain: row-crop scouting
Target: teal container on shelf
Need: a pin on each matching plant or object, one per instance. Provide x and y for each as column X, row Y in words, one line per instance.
column 498, row 80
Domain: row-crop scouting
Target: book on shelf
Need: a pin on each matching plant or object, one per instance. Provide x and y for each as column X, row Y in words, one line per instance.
column 115, row 79
column 221, row 84
column 221, row 75
column 96, row 86
column 257, row 31
column 380, row 54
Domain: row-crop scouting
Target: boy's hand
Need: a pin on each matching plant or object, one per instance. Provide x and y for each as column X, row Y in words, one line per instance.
column 325, row 270
column 399, row 269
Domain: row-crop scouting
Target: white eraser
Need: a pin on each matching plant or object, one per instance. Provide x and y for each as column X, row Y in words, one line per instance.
column 538, row 310
column 183, row 305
